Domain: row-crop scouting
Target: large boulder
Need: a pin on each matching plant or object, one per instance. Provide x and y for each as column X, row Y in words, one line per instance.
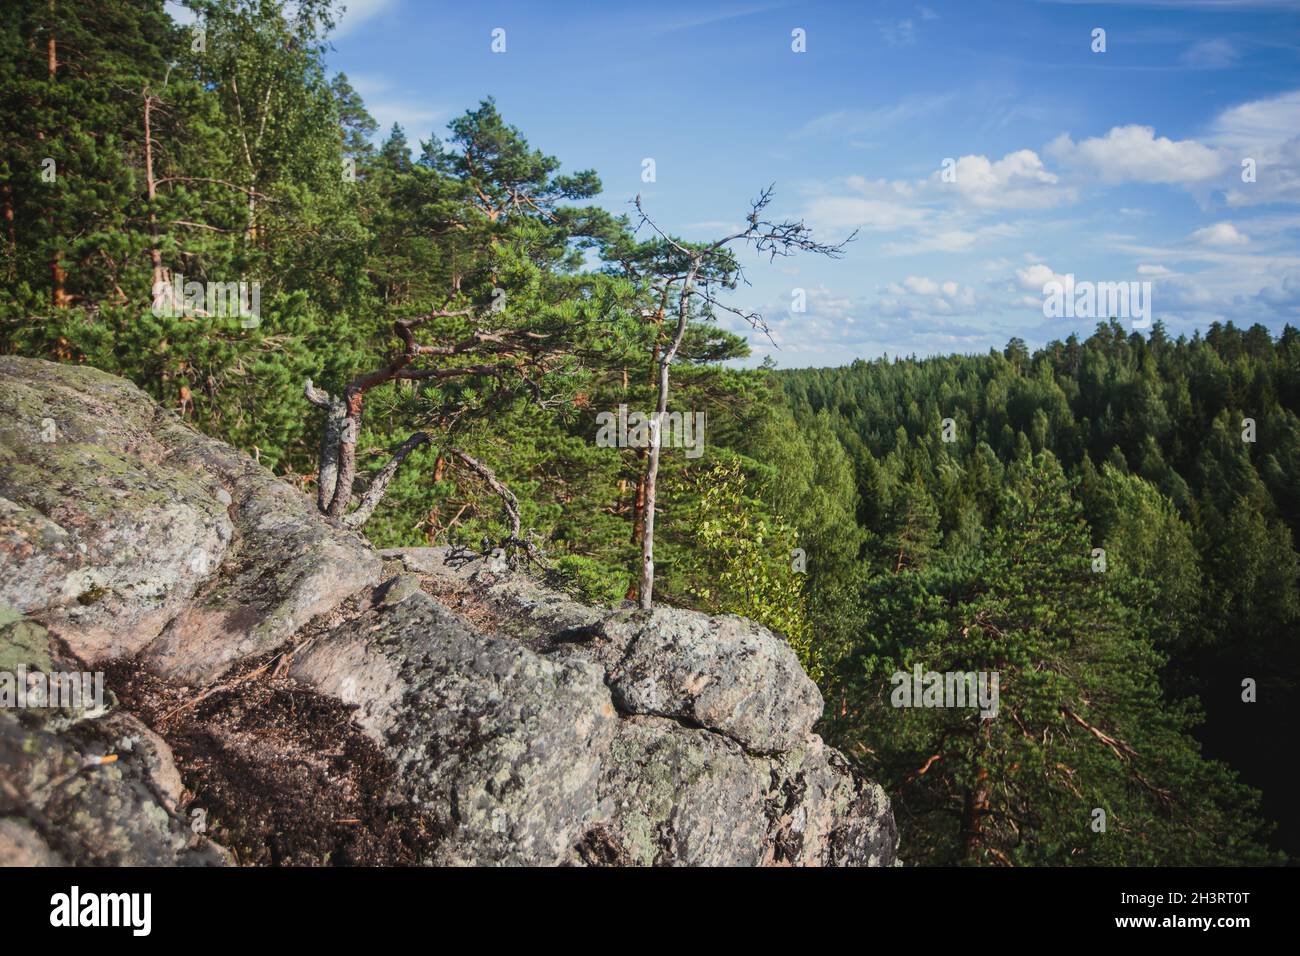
column 724, row 673
column 501, row 745
column 683, row 796
column 713, row 761
column 125, row 531
column 97, row 792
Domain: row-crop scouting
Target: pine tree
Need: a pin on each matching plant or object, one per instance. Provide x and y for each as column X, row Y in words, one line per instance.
column 1081, row 723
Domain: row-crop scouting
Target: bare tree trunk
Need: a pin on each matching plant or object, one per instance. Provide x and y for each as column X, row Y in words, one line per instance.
column 769, row 238
column 58, row 275
column 646, row 595
column 336, row 472
column 349, row 431
column 155, row 253
column 638, row 502
column 380, row 483
column 633, row 592
column 501, row 491
column 251, row 229
column 656, row 425
column 638, row 505
column 327, row 471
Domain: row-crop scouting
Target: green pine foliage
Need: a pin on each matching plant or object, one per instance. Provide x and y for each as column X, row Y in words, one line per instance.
column 1184, row 570
column 1081, row 724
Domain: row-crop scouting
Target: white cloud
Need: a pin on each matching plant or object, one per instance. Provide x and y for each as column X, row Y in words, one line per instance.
column 1267, row 131
column 952, row 239
column 1283, row 297
column 872, row 206
column 1153, row 270
column 1220, row 234
column 829, row 317
column 1033, row 278
column 856, row 122
column 920, row 296
column 896, row 188
column 917, row 284
column 1135, row 154
column 873, row 215
column 1217, row 283
column 389, row 106
column 929, row 215
column 1018, row 181
column 1212, row 54
column 1258, row 123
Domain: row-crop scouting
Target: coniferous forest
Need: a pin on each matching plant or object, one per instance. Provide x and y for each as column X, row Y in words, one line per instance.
column 1109, row 523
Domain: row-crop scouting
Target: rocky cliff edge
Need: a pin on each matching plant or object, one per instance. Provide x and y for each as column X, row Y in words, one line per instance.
column 278, row 691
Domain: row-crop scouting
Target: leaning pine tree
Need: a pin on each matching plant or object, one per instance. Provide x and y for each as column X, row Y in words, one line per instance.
column 457, row 369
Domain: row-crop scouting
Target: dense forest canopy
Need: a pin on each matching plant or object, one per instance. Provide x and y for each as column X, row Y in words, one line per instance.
column 1112, row 521
column 1107, row 524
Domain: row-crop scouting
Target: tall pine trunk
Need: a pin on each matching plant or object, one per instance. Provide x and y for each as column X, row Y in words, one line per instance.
column 58, row 274
column 151, row 186
column 646, row 597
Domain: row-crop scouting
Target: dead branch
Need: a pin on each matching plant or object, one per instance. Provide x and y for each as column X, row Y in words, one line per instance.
column 379, row 484
column 1126, row 754
column 1121, row 750
column 516, row 544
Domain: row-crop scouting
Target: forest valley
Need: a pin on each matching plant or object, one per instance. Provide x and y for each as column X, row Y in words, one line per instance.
column 440, row 331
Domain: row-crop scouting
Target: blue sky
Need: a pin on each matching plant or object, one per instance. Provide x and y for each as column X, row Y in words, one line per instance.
column 1115, row 166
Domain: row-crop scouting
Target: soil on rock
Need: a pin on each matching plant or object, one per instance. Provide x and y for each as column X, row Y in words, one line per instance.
column 278, row 774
